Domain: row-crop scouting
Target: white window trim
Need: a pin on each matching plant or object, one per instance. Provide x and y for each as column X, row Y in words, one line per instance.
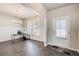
column 68, row 27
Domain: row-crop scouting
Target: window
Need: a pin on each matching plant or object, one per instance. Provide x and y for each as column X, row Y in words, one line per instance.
column 35, row 28
column 61, row 29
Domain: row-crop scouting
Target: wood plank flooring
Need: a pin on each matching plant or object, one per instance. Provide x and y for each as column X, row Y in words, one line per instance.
column 32, row 48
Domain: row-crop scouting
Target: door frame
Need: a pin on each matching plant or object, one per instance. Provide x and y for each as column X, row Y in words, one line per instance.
column 68, row 27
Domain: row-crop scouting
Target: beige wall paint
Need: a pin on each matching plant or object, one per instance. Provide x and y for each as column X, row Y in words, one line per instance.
column 71, row 11
column 7, row 27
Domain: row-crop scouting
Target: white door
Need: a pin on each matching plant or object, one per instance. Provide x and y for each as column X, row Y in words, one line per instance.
column 61, row 31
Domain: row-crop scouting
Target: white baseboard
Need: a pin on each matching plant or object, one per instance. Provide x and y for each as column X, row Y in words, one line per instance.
column 64, row 47
column 45, row 44
column 38, row 40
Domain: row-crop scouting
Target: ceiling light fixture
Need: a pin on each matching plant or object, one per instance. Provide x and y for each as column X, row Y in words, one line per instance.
column 13, row 21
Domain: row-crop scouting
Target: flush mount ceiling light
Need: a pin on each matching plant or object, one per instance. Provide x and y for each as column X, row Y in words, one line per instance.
column 19, row 22
column 13, row 21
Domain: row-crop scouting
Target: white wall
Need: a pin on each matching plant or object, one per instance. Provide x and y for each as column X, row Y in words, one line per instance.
column 71, row 11
column 27, row 26
column 78, row 26
column 7, row 27
column 11, row 28
column 38, row 7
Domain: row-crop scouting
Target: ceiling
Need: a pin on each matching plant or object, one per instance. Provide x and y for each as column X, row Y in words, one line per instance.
column 17, row 10
column 24, row 10
column 51, row 6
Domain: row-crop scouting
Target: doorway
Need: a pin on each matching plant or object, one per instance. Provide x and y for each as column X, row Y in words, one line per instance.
column 61, row 34
column 33, row 26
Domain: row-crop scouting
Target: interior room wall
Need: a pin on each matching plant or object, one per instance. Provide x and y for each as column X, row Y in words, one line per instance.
column 27, row 23
column 71, row 11
column 11, row 28
column 78, row 26
column 8, row 26
column 38, row 7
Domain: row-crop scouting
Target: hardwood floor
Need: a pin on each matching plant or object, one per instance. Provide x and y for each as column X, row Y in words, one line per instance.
column 32, row 48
